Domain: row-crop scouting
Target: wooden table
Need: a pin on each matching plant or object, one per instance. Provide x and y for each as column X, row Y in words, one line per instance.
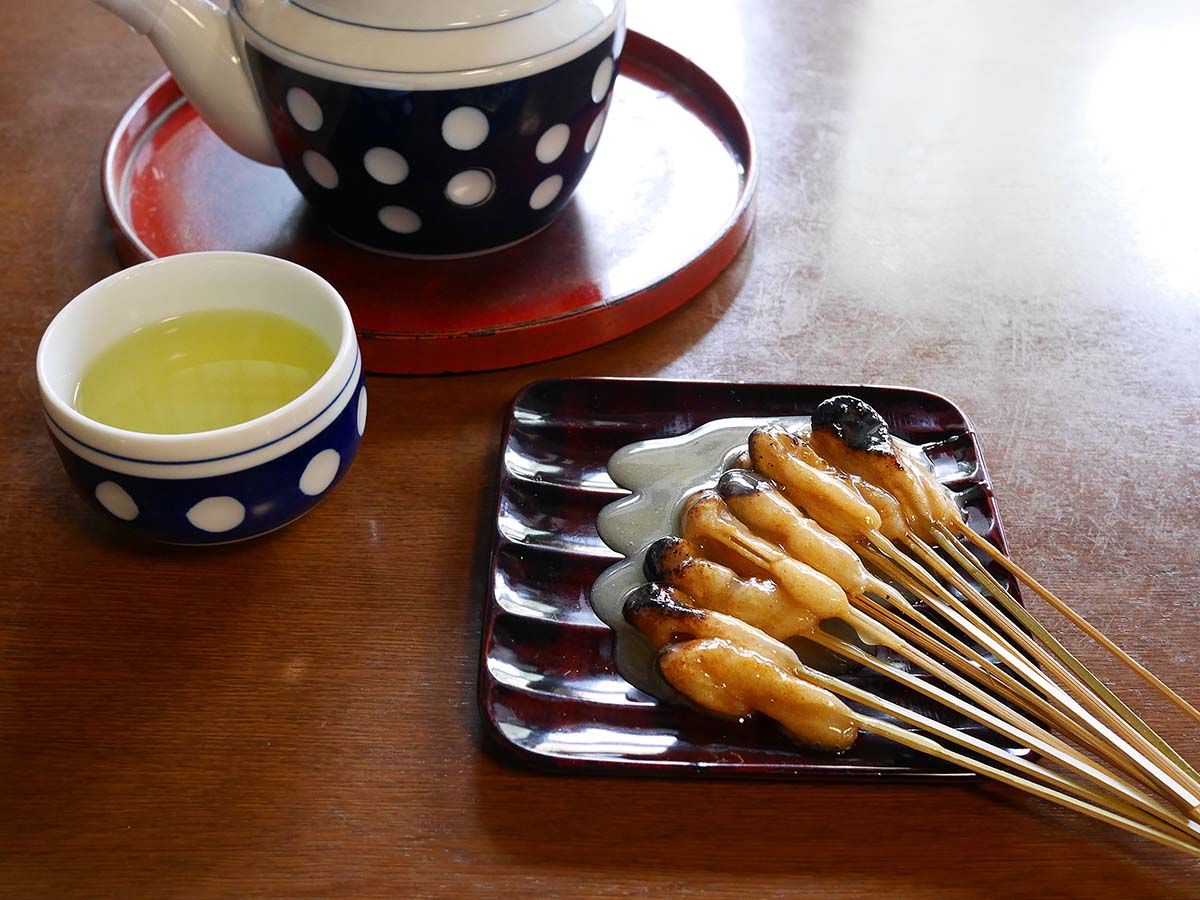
column 996, row 202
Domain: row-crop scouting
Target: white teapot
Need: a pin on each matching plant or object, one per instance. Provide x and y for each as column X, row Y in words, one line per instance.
column 416, row 127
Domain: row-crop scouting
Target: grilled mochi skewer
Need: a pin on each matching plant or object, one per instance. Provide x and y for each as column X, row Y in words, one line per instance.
column 838, row 504
column 726, row 666
column 833, row 498
column 719, row 536
column 733, row 669
column 759, row 505
column 835, row 502
column 769, row 609
column 851, row 435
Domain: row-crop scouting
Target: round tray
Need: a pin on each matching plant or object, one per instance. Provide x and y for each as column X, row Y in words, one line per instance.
column 664, row 207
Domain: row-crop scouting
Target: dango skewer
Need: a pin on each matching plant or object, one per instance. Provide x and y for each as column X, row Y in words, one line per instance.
column 853, row 437
column 759, row 505
column 728, row 667
column 836, row 503
column 766, row 609
column 785, row 613
column 709, row 523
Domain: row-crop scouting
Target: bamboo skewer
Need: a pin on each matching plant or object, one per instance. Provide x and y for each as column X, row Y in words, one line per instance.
column 1183, row 834
column 1096, row 736
column 988, row 638
column 1077, row 677
column 955, row 549
column 1036, row 739
column 876, row 633
column 963, row 616
column 671, row 619
column 899, row 602
column 931, row 747
column 1156, row 770
column 854, row 435
column 984, row 670
column 1085, row 705
column 708, row 518
column 1068, row 612
column 959, row 615
column 974, row 665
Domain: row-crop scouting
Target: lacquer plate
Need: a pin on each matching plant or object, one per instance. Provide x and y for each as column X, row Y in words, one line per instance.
column 550, row 690
column 665, row 206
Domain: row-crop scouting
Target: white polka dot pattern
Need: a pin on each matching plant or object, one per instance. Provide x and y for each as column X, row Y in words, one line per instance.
column 116, row 500
column 400, row 219
column 385, row 165
column 544, row 194
column 465, row 128
column 593, row 135
column 217, row 514
column 362, row 410
column 559, row 117
column 304, row 109
column 320, row 472
column 602, row 79
column 469, row 188
column 551, row 145
column 320, row 169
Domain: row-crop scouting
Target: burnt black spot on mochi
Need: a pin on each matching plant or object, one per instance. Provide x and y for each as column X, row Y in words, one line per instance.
column 854, row 423
column 662, row 556
column 660, row 600
column 741, row 483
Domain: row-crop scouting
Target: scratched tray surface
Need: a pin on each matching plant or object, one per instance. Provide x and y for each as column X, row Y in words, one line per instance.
column 549, row 688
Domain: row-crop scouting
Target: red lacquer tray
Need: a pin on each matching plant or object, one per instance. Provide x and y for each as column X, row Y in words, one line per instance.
column 549, row 690
column 664, row 207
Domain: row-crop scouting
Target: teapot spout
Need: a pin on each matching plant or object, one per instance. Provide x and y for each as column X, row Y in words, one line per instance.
column 195, row 40
column 140, row 15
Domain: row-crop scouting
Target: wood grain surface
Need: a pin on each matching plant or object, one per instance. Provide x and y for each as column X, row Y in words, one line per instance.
column 996, row 202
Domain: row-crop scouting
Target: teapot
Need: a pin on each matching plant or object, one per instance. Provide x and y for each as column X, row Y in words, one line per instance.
column 412, row 127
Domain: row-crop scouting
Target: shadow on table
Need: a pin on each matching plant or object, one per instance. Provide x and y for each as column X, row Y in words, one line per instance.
column 966, row 838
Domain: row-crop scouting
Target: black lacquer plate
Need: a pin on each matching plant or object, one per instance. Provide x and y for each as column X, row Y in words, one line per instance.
column 549, row 689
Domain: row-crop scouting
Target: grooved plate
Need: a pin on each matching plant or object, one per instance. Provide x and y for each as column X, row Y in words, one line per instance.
column 549, row 689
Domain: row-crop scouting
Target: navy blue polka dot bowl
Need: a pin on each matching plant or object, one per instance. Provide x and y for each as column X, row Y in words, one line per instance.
column 422, row 128
column 215, row 486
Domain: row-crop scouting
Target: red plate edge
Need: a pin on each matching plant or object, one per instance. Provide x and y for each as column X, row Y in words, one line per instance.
column 527, row 342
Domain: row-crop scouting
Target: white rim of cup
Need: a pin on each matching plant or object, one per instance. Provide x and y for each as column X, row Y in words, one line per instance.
column 220, row 443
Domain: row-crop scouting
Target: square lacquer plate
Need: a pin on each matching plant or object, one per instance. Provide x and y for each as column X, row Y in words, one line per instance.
column 549, row 687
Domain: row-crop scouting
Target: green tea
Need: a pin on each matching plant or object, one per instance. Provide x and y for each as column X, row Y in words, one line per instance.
column 201, row 371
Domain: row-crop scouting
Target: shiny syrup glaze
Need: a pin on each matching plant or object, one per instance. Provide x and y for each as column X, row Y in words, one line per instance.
column 663, row 475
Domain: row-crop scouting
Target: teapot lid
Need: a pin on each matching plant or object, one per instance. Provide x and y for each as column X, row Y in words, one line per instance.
column 422, row 15
column 425, row 44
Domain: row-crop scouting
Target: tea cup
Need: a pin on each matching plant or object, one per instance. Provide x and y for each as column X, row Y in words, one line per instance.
column 225, row 484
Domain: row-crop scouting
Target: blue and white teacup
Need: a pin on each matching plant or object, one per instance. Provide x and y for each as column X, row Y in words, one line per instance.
column 216, row 486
